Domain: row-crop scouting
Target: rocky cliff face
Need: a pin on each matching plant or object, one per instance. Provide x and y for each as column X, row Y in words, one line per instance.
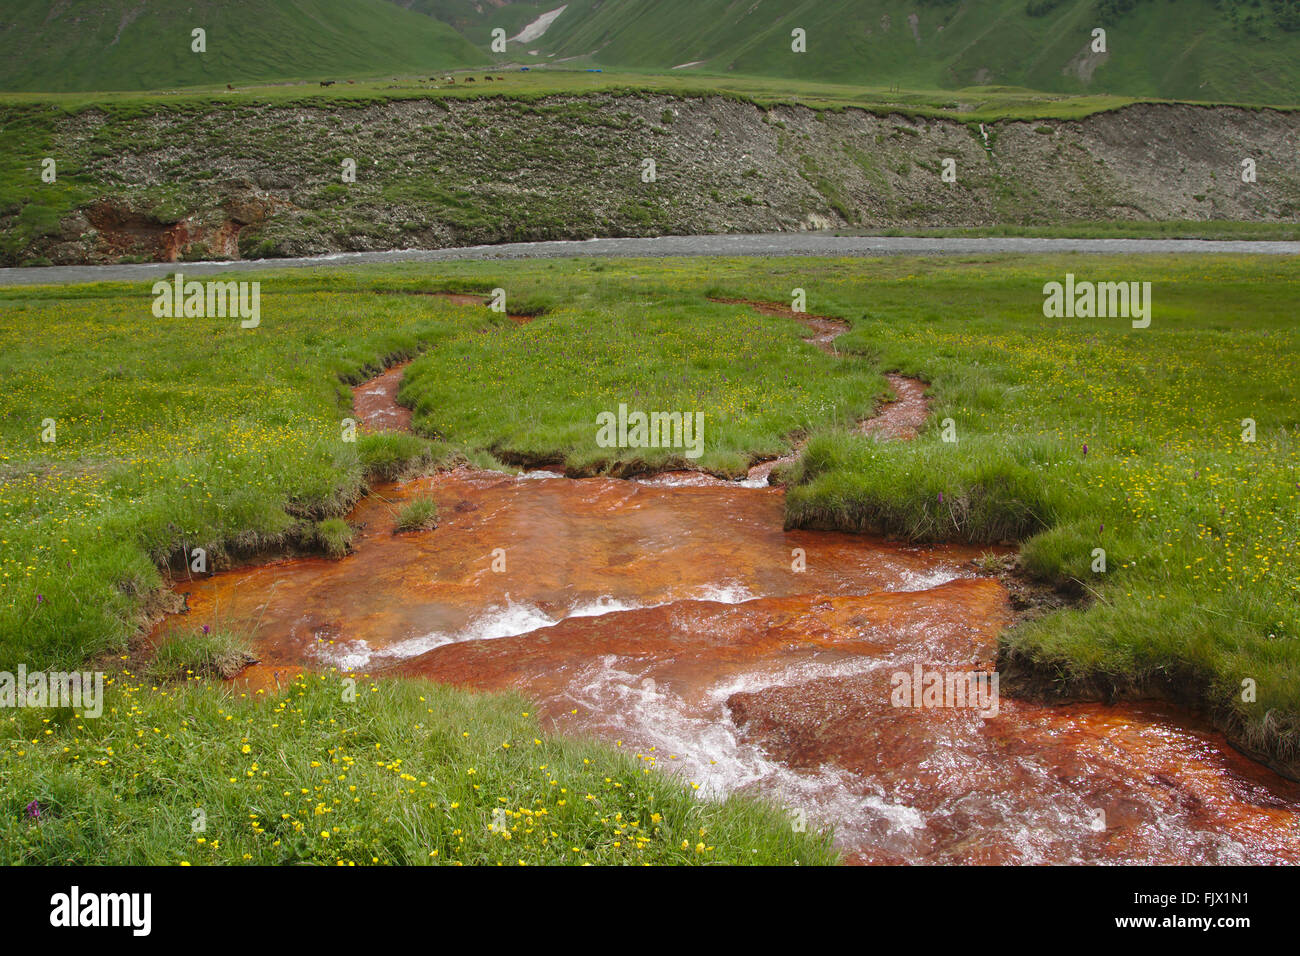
column 247, row 182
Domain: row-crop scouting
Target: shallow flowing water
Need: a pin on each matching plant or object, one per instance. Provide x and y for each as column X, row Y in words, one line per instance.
column 673, row 617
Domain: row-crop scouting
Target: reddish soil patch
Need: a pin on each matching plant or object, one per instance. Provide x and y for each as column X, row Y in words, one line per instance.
column 123, row 231
column 460, row 298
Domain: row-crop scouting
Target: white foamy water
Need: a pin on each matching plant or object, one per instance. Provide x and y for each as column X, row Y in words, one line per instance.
column 345, row 655
column 698, row 479
column 510, row 620
column 701, row 744
column 925, row 580
column 507, row 620
column 697, row 741
column 723, row 594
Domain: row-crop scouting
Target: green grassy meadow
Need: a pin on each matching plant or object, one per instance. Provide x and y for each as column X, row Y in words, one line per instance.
column 398, row 772
column 973, row 104
column 180, row 433
column 1081, row 434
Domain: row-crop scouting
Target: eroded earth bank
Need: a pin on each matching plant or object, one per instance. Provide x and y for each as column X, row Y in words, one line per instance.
column 245, row 181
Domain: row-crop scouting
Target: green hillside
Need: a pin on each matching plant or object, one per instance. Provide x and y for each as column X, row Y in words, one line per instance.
column 75, row 45
column 1244, row 51
column 1222, row 50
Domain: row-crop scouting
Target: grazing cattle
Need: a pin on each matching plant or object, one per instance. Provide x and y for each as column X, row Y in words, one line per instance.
column 469, row 79
column 488, row 78
column 326, row 82
column 229, row 87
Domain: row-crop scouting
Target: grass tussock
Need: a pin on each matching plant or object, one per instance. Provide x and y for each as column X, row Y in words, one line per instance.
column 334, row 536
column 419, row 514
column 388, row 456
column 926, row 493
column 200, row 655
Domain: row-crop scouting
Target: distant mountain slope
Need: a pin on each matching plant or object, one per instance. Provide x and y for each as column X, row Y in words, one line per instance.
column 1234, row 50
column 73, row 45
column 1220, row 50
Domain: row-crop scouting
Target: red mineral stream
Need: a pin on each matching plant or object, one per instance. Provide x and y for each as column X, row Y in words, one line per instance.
column 671, row 617
column 676, row 616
